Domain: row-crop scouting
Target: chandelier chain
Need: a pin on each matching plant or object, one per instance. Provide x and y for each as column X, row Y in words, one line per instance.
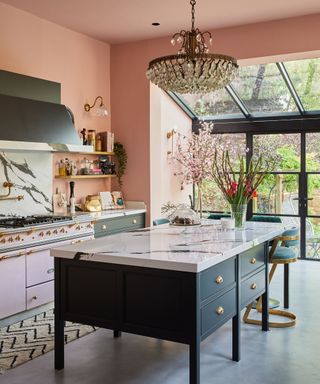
column 193, row 3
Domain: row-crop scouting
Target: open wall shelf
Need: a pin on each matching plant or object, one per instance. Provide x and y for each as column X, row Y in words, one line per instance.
column 77, row 177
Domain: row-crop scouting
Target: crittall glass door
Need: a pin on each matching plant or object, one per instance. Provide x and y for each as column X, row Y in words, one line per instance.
column 292, row 191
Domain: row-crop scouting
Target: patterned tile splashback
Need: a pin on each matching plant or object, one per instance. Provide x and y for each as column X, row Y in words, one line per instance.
column 31, row 174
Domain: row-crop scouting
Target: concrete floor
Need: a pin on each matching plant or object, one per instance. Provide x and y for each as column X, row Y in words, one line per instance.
column 279, row 356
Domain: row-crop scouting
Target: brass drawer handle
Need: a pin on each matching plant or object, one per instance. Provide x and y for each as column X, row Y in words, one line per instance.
column 253, row 286
column 219, row 279
column 134, row 221
column 220, row 311
column 104, row 227
column 253, row 260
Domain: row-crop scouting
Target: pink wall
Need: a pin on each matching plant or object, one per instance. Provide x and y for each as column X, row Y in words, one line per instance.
column 130, row 88
column 36, row 47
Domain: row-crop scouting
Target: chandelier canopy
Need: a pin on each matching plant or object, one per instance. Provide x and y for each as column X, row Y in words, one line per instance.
column 193, row 69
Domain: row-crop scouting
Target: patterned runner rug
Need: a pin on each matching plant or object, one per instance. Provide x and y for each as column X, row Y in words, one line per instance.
column 33, row 337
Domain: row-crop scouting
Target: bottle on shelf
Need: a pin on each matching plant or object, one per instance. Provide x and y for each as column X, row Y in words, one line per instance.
column 72, row 198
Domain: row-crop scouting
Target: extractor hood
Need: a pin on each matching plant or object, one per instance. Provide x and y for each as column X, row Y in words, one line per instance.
column 28, row 125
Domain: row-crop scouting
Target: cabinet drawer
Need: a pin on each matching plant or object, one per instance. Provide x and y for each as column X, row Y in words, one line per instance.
column 252, row 259
column 216, row 278
column 12, row 283
column 39, row 267
column 252, row 288
column 218, row 311
column 118, row 224
column 40, row 294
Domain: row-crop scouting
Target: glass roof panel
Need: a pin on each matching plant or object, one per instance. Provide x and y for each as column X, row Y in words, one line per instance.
column 305, row 76
column 263, row 90
column 213, row 104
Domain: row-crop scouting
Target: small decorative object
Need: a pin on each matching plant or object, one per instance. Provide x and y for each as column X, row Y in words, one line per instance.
column 118, row 199
column 193, row 158
column 106, row 165
column 193, row 69
column 121, row 161
column 184, row 216
column 84, row 136
column 239, row 187
column 92, row 203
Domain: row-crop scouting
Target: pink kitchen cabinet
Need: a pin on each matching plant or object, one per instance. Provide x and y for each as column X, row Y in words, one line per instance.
column 40, row 266
column 12, row 283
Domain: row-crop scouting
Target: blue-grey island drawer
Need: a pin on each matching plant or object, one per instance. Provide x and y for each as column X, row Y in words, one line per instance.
column 252, row 259
column 118, row 224
column 252, row 288
column 216, row 278
column 218, row 311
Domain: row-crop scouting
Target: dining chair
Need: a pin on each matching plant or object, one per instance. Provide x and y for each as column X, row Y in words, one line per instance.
column 218, row 216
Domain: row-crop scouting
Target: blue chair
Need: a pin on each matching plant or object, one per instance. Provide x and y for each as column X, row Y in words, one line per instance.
column 266, row 219
column 160, row 221
column 218, row 216
column 283, row 254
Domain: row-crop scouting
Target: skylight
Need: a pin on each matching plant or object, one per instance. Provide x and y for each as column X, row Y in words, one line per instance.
column 274, row 89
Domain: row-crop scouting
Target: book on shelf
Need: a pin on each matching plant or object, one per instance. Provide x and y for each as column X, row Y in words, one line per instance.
column 107, row 141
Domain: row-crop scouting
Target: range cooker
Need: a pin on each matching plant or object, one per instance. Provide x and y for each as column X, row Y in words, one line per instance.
column 27, row 221
column 18, row 232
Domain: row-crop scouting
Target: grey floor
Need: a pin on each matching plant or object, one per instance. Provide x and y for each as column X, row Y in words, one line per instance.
column 280, row 356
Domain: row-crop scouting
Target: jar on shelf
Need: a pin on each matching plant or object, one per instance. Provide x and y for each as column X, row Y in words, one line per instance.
column 98, row 147
column 91, row 137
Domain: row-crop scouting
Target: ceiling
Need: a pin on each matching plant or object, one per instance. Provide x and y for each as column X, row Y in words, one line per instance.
column 118, row 21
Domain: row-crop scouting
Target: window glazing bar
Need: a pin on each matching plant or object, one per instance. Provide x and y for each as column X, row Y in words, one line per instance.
column 183, row 105
column 291, row 87
column 236, row 98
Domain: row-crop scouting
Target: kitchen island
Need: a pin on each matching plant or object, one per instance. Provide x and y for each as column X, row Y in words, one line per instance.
column 173, row 283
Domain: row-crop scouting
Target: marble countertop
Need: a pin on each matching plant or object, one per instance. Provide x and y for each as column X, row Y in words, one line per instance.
column 77, row 218
column 189, row 249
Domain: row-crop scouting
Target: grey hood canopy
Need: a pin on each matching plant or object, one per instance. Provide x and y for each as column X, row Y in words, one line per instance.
column 31, row 121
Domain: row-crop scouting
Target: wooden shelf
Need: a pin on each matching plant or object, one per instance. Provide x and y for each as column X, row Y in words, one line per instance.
column 88, row 153
column 85, row 177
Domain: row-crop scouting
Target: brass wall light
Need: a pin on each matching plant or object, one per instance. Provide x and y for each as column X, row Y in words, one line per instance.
column 100, row 109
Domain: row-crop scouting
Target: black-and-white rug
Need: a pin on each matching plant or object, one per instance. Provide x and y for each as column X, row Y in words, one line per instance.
column 33, row 337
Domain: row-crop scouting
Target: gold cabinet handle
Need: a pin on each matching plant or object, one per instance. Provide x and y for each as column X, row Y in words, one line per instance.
column 220, row 311
column 134, row 221
column 219, row 279
column 253, row 260
column 253, row 286
column 104, row 227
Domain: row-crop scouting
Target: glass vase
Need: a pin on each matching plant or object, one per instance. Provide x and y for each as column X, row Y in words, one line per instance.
column 239, row 213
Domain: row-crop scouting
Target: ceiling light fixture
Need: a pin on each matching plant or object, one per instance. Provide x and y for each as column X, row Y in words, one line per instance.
column 193, row 69
column 100, row 110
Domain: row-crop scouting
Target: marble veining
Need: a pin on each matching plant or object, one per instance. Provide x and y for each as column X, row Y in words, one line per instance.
column 31, row 174
column 190, row 249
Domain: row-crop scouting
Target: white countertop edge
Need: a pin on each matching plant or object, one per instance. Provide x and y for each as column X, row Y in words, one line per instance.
column 139, row 261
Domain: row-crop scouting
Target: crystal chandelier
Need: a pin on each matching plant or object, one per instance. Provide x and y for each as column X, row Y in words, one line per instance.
column 193, row 69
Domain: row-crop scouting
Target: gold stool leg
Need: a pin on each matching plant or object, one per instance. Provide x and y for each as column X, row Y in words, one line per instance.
column 276, row 312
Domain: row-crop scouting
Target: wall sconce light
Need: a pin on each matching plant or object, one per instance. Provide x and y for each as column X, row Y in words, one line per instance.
column 100, row 110
column 170, row 135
